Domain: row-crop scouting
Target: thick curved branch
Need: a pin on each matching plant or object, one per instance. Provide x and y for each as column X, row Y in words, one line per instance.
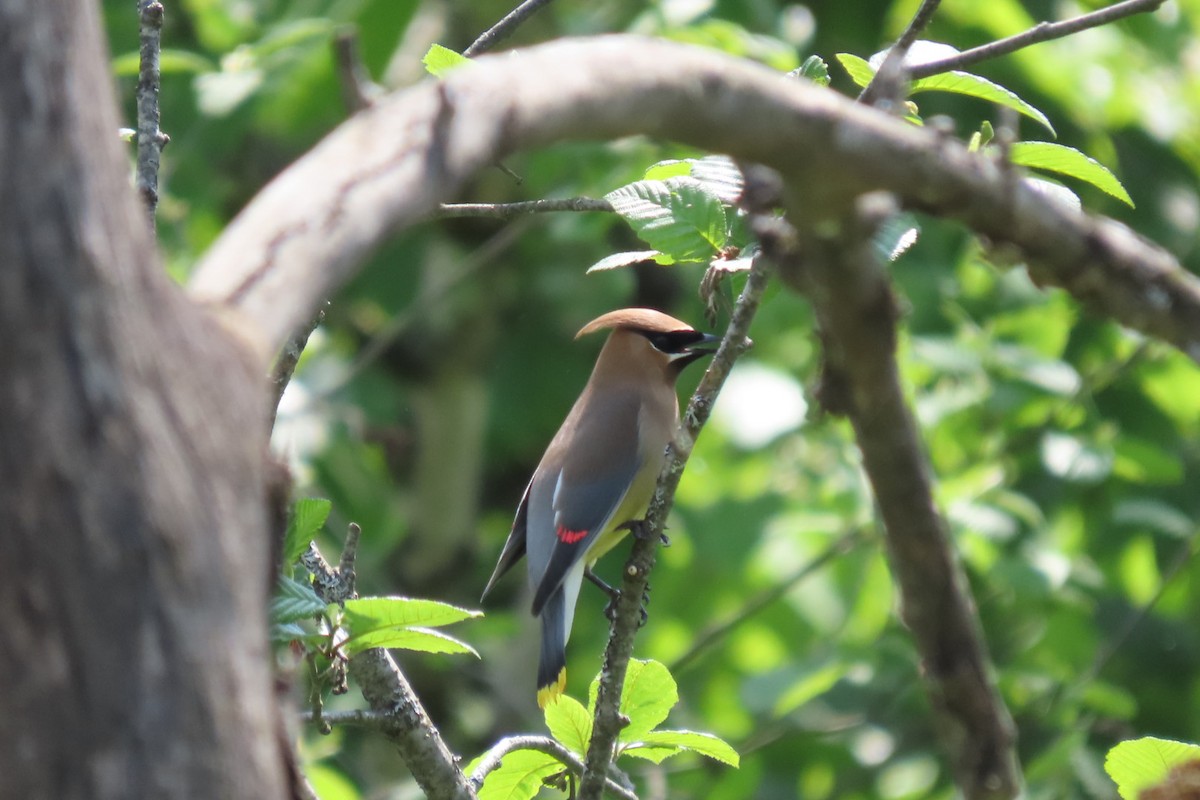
column 391, row 165
column 856, row 311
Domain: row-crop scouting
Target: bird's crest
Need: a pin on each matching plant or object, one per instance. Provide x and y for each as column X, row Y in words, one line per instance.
column 644, row 319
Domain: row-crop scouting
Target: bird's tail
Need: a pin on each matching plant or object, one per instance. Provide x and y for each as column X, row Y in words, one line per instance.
column 552, row 664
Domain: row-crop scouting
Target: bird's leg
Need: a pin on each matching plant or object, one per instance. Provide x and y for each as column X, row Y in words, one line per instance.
column 614, row 595
column 639, row 529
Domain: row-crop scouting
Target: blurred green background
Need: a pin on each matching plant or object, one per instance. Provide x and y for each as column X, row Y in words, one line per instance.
column 1066, row 449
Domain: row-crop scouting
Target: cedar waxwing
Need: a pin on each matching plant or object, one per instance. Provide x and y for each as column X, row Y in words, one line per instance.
column 599, row 472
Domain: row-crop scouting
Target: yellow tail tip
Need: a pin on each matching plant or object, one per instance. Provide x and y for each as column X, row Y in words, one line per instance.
column 549, row 693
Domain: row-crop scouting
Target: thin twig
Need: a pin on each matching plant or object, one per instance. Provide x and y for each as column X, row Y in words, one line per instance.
column 360, row 717
column 504, row 28
column 891, row 70
column 510, row 210
column 641, row 561
column 289, row 357
column 543, row 744
column 1042, row 32
column 349, row 555
column 358, row 90
column 714, row 633
column 150, row 139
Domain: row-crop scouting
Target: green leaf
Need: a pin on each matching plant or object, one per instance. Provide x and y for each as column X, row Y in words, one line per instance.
column 1068, row 161
column 720, row 175
column 373, row 613
column 626, row 259
column 287, row 632
column 1145, row 462
column 671, row 168
column 1142, row 763
column 439, row 60
column 814, row 69
column 402, row 622
column 650, row 694
column 859, row 70
column 294, row 600
column 308, row 517
column 420, row 639
column 680, row 217
column 570, row 723
column 975, row 86
column 519, row 777
column 703, row 743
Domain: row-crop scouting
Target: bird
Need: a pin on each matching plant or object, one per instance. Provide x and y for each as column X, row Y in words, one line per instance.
column 598, row 474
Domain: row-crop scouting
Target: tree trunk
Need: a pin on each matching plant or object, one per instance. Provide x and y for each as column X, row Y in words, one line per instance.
column 134, row 545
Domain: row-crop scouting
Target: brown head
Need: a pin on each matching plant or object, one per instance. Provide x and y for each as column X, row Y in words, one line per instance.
column 644, row 339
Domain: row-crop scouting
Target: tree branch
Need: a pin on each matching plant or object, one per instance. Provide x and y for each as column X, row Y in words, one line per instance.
column 504, row 28
column 390, row 166
column 607, row 723
column 1042, row 32
column 397, row 713
column 150, row 139
column 892, row 67
column 358, row 91
column 510, row 210
column 856, row 313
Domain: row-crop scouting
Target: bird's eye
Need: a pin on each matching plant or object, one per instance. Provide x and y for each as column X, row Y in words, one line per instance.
column 673, row 342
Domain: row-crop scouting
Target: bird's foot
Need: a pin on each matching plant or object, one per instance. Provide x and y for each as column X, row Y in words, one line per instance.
column 614, row 597
column 641, row 530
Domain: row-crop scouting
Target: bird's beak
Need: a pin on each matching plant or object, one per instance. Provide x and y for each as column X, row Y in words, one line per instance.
column 708, row 344
column 705, row 347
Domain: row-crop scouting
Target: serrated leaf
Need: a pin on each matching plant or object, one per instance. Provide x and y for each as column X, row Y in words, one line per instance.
column 814, row 69
column 857, row 68
column 420, row 639
column 569, row 723
column 373, row 613
column 680, row 217
column 308, row 517
column 703, row 743
column 721, row 175
column 651, row 753
column 1068, row 161
column 967, row 83
column 519, row 777
column 897, row 233
column 626, row 259
column 1142, row 763
column 439, row 60
column 650, row 694
column 294, row 600
column 286, row 632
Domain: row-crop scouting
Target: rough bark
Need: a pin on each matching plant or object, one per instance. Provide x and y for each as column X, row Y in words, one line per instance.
column 133, row 561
